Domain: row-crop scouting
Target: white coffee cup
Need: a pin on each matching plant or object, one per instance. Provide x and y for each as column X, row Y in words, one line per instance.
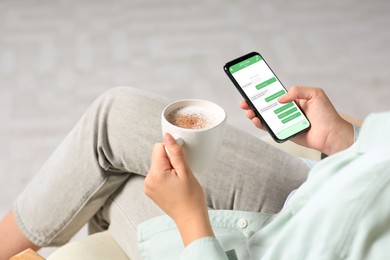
column 200, row 144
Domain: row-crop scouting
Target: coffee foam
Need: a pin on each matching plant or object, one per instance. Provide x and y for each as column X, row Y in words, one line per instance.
column 192, row 117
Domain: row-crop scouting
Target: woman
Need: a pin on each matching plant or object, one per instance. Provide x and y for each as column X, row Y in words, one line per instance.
column 97, row 175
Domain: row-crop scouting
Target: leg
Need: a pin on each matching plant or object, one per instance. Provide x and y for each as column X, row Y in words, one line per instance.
column 112, row 141
column 251, row 175
column 12, row 239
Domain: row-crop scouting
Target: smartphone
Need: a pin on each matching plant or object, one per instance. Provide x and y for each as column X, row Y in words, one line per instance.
column 261, row 89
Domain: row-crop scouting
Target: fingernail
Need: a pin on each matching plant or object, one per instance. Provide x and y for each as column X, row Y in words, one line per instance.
column 168, row 139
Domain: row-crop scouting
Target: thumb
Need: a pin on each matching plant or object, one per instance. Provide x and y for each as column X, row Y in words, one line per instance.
column 295, row 93
column 176, row 153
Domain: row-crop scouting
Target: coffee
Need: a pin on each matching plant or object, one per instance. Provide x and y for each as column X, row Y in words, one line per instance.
column 197, row 126
column 191, row 117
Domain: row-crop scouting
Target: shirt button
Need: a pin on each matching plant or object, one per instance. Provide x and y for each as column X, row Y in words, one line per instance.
column 242, row 223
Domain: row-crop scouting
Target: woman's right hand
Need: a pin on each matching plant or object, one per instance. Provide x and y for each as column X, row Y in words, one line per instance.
column 329, row 132
column 171, row 184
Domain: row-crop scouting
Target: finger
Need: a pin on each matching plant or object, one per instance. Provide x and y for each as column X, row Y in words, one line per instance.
column 250, row 114
column 297, row 92
column 176, row 153
column 244, row 105
column 160, row 162
column 256, row 121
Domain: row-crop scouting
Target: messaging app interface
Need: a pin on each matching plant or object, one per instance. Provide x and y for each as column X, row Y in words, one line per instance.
column 263, row 89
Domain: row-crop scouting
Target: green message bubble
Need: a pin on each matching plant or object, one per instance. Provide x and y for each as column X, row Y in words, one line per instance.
column 275, row 96
column 288, row 112
column 288, row 119
column 284, row 107
column 265, row 83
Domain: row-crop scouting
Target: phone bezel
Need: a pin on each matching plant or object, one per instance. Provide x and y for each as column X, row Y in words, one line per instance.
column 239, row 88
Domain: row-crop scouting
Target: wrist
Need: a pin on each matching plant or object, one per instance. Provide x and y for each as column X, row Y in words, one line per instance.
column 340, row 138
column 194, row 226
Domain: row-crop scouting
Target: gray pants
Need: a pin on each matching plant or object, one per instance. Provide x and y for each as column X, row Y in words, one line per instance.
column 96, row 174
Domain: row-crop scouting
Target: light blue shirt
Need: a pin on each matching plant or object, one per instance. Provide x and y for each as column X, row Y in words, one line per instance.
column 341, row 212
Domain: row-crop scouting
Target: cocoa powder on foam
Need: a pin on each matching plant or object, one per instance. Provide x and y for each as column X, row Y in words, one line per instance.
column 189, row 118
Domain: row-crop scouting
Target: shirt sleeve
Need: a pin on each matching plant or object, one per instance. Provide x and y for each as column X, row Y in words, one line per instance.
column 356, row 132
column 208, row 246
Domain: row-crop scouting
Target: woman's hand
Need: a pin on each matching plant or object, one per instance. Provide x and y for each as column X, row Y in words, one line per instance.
column 329, row 133
column 171, row 184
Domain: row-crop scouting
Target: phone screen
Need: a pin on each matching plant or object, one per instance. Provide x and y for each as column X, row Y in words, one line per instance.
column 261, row 88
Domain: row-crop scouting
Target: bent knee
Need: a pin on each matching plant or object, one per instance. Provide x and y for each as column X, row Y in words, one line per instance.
column 130, row 98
